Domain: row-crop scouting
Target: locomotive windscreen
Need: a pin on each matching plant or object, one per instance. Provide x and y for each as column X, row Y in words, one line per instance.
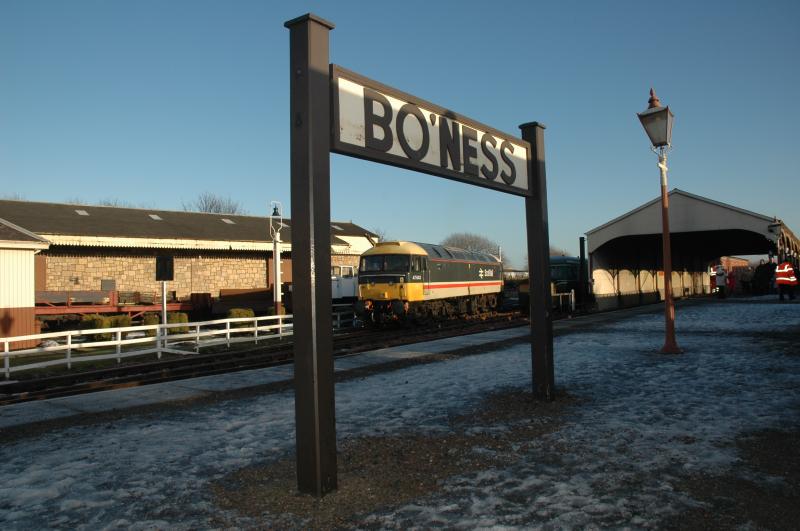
column 563, row 272
column 385, row 262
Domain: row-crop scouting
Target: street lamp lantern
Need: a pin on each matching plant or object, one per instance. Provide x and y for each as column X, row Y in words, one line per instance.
column 657, row 123
column 275, row 226
column 276, row 221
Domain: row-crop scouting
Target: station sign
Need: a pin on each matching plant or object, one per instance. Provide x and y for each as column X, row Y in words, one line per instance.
column 375, row 122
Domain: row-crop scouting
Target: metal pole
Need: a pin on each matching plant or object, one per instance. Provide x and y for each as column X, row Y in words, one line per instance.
column 164, row 302
column 310, row 89
column 583, row 275
column 163, row 329
column 276, row 262
column 539, row 266
column 670, row 345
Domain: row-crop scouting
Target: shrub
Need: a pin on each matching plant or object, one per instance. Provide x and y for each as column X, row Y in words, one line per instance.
column 151, row 319
column 178, row 317
column 273, row 312
column 95, row 320
column 120, row 321
column 240, row 312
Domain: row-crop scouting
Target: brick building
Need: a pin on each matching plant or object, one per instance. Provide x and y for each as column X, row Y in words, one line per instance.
column 110, row 248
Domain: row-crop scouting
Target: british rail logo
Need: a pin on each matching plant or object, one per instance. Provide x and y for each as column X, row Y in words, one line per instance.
column 381, row 124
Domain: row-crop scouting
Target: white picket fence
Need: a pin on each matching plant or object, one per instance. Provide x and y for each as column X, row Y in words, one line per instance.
column 127, row 340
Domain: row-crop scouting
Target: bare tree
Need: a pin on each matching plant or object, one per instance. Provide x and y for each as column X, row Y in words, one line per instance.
column 108, row 202
column 15, row 196
column 475, row 243
column 214, row 204
column 380, row 233
column 471, row 242
column 114, row 202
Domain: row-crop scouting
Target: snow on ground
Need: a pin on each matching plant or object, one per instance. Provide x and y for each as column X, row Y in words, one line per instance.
column 645, row 419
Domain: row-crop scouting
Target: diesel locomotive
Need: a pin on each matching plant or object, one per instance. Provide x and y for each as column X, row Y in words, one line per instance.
column 408, row 280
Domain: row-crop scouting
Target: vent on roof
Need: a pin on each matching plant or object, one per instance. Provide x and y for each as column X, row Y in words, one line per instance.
column 81, row 212
column 228, row 221
column 155, row 217
column 337, row 227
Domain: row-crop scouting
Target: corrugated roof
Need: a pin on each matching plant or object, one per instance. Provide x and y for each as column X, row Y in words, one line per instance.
column 115, row 222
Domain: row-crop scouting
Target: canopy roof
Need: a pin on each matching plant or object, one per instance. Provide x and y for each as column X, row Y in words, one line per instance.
column 704, row 227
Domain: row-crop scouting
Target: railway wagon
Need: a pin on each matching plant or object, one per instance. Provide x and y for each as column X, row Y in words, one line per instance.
column 564, row 277
column 399, row 279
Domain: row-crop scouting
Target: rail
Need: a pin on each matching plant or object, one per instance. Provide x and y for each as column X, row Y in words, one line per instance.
column 130, row 341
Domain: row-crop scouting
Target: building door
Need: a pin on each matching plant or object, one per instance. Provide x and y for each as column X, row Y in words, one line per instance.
column 39, row 272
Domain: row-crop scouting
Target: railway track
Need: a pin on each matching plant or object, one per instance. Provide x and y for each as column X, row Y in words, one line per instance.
column 239, row 359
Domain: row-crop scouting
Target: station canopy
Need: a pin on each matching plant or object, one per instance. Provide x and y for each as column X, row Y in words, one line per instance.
column 701, row 230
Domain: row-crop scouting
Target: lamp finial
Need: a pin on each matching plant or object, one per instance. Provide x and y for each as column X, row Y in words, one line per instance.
column 653, row 102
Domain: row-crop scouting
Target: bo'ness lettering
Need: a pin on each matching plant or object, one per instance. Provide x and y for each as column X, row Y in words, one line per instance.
column 450, row 147
column 380, row 126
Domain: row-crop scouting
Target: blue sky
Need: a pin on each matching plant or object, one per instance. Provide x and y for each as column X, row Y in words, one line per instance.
column 152, row 102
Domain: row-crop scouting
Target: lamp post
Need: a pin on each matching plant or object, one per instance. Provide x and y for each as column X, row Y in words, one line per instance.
column 657, row 123
column 275, row 226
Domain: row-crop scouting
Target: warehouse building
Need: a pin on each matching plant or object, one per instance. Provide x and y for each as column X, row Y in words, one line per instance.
column 101, row 252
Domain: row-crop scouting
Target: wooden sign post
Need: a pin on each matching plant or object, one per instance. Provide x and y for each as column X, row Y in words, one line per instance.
column 336, row 110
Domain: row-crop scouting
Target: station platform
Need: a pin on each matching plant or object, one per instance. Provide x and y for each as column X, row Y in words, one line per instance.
column 208, row 387
column 444, row 434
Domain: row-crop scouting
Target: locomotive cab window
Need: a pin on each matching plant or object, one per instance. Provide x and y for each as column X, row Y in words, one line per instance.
column 397, row 262
column 387, row 262
column 416, row 264
column 371, row 263
column 563, row 272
